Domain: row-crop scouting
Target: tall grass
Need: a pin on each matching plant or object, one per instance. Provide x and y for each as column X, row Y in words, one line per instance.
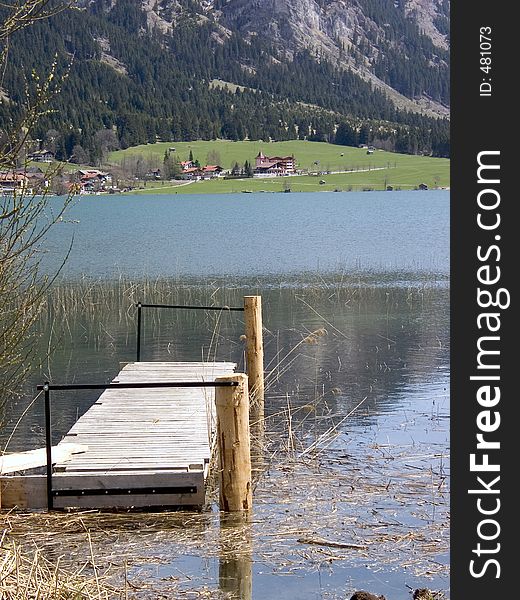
column 28, row 574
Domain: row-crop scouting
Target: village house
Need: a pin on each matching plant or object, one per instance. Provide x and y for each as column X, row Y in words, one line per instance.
column 37, row 179
column 210, row 171
column 43, row 156
column 274, row 165
column 187, row 164
column 189, row 173
column 11, row 182
column 207, row 172
column 93, row 180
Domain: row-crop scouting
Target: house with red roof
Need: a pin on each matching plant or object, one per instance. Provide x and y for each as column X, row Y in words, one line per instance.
column 190, row 173
column 93, row 180
column 211, row 171
column 207, row 172
column 11, row 182
column 274, row 165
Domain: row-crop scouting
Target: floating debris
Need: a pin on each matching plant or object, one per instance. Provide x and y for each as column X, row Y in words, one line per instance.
column 366, row 596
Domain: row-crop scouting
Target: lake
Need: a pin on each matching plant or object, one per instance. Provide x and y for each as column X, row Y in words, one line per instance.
column 255, row 234
column 355, row 291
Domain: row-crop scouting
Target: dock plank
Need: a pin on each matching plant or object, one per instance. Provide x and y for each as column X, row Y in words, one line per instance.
column 32, row 459
column 143, row 438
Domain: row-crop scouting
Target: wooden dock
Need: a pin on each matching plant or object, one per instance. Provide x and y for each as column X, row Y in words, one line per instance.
column 149, row 439
column 139, row 448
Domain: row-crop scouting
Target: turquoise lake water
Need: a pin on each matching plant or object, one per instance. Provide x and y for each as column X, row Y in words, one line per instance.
column 255, row 234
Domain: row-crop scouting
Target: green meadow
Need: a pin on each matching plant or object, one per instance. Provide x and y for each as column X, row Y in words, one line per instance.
column 365, row 171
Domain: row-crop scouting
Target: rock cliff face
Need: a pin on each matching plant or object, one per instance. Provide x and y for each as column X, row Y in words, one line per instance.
column 355, row 34
column 297, row 24
column 288, row 23
column 328, row 23
column 432, row 17
column 331, row 26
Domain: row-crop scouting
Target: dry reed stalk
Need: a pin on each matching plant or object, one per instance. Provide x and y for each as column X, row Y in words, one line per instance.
column 28, row 575
column 331, row 433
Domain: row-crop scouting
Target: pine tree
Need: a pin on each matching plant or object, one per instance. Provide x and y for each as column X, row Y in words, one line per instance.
column 248, row 169
column 345, row 135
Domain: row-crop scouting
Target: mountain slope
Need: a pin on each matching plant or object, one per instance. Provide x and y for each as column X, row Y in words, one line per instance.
column 382, row 39
column 143, row 70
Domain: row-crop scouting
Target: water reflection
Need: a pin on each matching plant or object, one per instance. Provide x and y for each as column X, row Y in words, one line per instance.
column 327, row 346
column 236, row 556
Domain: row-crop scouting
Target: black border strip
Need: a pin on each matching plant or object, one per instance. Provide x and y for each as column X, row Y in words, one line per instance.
column 484, row 117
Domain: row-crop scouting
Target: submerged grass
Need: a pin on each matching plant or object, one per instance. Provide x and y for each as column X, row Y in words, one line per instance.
column 310, row 515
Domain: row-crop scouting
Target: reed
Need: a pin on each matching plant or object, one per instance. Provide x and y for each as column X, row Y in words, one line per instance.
column 27, row 574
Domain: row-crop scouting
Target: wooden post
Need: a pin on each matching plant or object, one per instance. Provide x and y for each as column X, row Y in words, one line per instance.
column 254, row 349
column 234, row 444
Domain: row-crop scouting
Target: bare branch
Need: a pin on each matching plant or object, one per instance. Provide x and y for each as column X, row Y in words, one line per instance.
column 26, row 216
column 23, row 14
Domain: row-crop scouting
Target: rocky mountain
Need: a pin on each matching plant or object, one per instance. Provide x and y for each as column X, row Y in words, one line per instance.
column 270, row 69
column 366, row 36
column 363, row 35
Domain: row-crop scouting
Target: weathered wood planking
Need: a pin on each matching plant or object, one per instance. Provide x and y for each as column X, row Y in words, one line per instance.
column 32, row 459
column 23, row 491
column 151, row 427
column 146, row 447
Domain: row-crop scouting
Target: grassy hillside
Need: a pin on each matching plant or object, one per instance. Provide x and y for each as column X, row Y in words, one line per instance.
column 374, row 171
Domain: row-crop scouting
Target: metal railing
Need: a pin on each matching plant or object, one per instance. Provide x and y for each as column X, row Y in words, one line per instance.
column 48, row 387
column 141, row 305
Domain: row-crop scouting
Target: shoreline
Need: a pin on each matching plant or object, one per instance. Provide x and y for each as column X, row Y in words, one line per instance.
column 160, row 191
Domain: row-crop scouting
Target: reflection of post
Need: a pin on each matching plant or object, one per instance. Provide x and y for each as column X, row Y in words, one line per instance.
column 234, row 444
column 235, row 563
column 254, row 348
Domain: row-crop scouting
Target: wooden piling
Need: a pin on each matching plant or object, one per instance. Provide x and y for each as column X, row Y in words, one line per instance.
column 254, row 349
column 234, row 444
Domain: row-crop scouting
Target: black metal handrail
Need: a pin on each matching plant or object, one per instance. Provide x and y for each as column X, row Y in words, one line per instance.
column 47, row 387
column 141, row 305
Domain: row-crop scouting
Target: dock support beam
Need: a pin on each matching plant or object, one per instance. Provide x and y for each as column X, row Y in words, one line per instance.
column 254, row 349
column 234, row 446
